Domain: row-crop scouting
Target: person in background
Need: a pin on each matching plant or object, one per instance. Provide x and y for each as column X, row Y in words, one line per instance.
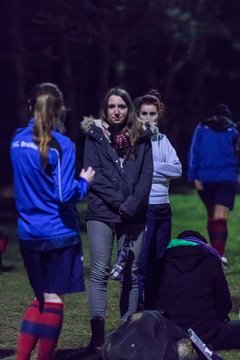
column 193, row 291
column 3, row 248
column 166, row 166
column 4, row 238
column 213, row 168
column 46, row 190
column 119, row 150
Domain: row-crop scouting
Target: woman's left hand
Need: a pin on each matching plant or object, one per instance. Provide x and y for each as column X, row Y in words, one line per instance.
column 88, row 174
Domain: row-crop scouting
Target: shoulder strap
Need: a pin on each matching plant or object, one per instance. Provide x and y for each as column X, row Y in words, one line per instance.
column 54, row 144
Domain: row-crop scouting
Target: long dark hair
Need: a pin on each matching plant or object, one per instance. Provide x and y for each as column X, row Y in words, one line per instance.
column 47, row 106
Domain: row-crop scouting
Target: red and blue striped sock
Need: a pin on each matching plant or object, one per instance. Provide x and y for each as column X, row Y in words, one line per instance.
column 51, row 323
column 217, row 230
column 29, row 331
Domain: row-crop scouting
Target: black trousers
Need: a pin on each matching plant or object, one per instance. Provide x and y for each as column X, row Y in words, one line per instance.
column 228, row 337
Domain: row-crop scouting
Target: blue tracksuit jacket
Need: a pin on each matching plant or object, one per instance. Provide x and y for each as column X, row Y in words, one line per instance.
column 45, row 198
column 212, row 155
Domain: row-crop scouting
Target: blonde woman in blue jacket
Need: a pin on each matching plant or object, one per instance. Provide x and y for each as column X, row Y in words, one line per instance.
column 43, row 161
column 166, row 166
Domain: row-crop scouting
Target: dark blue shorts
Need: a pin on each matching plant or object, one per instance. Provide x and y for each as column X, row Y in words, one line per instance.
column 219, row 193
column 58, row 271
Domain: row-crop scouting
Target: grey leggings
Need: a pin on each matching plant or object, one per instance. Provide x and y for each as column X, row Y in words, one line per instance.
column 100, row 238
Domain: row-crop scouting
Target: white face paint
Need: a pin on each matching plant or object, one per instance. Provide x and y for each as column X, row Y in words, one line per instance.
column 149, row 112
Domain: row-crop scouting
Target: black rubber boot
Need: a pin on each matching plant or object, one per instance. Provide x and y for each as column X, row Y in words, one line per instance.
column 96, row 342
column 98, row 333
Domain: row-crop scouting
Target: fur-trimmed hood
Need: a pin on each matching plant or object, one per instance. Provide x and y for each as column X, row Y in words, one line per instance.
column 89, row 121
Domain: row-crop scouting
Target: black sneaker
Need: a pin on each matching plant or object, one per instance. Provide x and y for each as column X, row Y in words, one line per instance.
column 4, row 268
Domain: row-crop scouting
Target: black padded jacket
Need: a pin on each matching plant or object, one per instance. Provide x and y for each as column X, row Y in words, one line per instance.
column 117, row 187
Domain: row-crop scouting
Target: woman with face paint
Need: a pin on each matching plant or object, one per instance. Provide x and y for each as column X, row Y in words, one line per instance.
column 166, row 166
column 120, row 151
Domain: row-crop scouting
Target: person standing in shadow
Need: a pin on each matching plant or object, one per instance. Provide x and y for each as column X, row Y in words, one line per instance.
column 213, row 167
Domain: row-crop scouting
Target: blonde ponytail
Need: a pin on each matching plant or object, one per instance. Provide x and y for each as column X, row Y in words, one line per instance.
column 48, row 110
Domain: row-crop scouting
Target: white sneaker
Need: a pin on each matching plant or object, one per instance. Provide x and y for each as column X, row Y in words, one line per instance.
column 224, row 261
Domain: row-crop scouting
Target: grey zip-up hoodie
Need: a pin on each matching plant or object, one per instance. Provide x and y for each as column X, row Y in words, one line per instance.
column 166, row 166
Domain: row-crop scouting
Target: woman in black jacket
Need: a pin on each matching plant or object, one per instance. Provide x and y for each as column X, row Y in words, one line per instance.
column 119, row 150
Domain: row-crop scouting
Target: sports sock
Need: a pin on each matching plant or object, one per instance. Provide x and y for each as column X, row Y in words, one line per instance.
column 29, row 331
column 217, row 230
column 51, row 323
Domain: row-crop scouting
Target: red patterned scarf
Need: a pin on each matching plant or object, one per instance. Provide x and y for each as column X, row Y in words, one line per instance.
column 121, row 144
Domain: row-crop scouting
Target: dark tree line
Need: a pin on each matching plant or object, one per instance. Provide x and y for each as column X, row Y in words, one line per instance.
column 188, row 49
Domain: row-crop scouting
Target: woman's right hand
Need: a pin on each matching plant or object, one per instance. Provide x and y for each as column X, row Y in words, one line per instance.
column 88, row 174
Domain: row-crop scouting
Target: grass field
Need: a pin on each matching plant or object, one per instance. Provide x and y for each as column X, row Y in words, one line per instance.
column 15, row 292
